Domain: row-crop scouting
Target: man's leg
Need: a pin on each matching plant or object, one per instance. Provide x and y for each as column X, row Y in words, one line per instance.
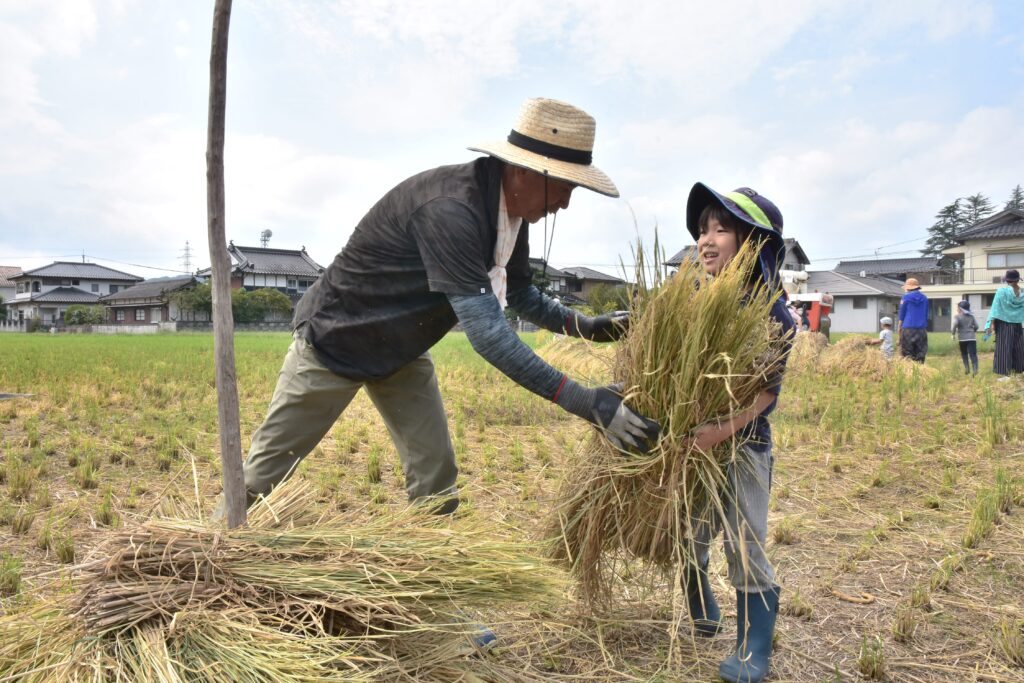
column 905, row 343
column 410, row 403
column 307, row 401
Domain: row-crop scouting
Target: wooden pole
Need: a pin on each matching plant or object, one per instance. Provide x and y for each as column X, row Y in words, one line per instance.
column 223, row 323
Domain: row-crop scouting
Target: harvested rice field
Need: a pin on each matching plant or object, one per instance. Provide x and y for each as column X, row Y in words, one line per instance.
column 897, row 508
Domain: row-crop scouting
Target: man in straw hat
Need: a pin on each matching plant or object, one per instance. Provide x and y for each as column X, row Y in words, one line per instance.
column 450, row 245
column 913, row 325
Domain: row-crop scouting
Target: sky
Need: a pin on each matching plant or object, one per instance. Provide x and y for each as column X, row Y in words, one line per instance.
column 860, row 120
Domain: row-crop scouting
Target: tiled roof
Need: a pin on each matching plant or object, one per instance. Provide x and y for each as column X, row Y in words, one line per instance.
column 842, row 284
column 793, row 247
column 1007, row 223
column 154, row 288
column 65, row 295
column 589, row 274
column 6, row 273
column 892, row 266
column 274, row 261
column 81, row 271
column 685, row 252
column 551, row 271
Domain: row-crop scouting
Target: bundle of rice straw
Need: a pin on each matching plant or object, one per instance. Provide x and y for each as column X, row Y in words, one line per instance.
column 807, row 349
column 291, row 597
column 852, row 358
column 695, row 352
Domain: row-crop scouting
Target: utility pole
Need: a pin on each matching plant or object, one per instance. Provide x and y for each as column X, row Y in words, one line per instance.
column 186, row 257
column 223, row 323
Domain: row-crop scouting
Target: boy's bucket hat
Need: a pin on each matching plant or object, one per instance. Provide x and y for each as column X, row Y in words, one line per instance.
column 555, row 139
column 965, row 304
column 886, row 320
column 752, row 209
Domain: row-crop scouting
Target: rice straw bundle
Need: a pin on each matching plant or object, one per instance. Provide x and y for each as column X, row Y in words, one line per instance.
column 807, row 349
column 582, row 360
column 291, row 597
column 852, row 358
column 695, row 352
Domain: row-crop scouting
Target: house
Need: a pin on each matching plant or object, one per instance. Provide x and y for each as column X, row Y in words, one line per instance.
column 8, row 287
column 560, row 284
column 149, row 302
column 45, row 293
column 984, row 252
column 586, row 279
column 926, row 269
column 290, row 271
column 859, row 302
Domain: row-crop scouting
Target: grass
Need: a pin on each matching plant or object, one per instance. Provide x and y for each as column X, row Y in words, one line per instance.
column 97, row 395
column 10, row 574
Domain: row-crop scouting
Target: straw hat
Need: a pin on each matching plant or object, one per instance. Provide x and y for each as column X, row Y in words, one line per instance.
column 555, row 139
column 911, row 284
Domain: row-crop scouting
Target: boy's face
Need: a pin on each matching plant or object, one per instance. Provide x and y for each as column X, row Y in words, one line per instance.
column 716, row 246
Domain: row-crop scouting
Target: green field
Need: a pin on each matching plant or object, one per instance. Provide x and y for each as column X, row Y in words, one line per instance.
column 896, row 527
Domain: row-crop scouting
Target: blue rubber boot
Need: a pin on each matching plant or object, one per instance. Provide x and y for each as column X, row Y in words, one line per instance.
column 707, row 618
column 755, row 626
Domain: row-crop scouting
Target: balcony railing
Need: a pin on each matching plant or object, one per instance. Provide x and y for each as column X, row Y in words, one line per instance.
column 968, row 276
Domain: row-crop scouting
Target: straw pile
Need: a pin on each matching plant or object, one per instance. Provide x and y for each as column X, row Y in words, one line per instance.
column 807, row 349
column 851, row 357
column 695, row 352
column 292, row 597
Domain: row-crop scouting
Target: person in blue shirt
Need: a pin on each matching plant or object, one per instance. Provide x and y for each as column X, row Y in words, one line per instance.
column 721, row 223
column 913, row 325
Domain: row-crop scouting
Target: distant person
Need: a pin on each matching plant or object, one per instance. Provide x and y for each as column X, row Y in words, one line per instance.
column 805, row 319
column 825, row 325
column 449, row 245
column 913, row 327
column 794, row 314
column 965, row 331
column 1005, row 319
column 884, row 338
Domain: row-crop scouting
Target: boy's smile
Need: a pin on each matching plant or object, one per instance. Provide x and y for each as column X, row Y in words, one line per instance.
column 716, row 246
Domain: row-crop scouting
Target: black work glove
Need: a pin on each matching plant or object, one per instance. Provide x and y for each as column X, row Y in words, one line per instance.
column 603, row 328
column 604, row 407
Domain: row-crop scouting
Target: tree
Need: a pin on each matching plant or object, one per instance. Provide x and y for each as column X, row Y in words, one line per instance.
column 79, row 314
column 948, row 222
column 605, row 298
column 270, row 301
column 975, row 208
column 198, row 299
column 1016, row 200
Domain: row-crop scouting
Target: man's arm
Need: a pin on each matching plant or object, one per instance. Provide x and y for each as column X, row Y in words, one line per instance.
column 490, row 335
column 545, row 312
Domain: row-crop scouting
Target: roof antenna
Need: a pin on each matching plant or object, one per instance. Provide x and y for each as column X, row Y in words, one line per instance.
column 265, row 237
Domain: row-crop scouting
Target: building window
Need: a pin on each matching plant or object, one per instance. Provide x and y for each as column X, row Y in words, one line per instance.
column 304, row 285
column 140, row 314
column 74, row 283
column 860, row 302
column 35, row 286
column 21, row 288
column 119, row 315
column 1005, row 260
column 986, row 300
column 113, row 289
column 95, row 287
column 65, row 283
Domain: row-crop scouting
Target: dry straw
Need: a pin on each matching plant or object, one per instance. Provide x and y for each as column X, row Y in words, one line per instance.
column 291, row 597
column 848, row 357
column 698, row 349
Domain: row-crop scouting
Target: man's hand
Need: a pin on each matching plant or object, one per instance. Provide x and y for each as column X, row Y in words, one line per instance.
column 604, row 408
column 608, row 327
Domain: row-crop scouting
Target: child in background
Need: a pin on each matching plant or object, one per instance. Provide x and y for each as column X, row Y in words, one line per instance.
column 884, row 338
column 965, row 330
column 721, row 223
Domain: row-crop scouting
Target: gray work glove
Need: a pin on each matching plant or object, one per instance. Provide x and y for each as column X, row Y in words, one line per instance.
column 609, row 327
column 604, row 407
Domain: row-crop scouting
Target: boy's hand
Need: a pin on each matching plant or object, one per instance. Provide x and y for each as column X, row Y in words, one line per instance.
column 709, row 435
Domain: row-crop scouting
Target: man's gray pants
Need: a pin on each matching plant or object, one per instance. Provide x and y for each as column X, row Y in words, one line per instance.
column 308, row 400
column 744, row 517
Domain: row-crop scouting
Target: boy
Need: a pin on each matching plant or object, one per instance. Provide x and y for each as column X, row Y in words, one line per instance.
column 721, row 223
column 884, row 338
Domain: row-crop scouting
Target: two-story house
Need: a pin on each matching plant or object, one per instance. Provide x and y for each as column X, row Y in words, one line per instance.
column 586, row 279
column 795, row 260
column 149, row 302
column 8, row 288
column 290, row 271
column 983, row 254
column 560, row 284
column 45, row 293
